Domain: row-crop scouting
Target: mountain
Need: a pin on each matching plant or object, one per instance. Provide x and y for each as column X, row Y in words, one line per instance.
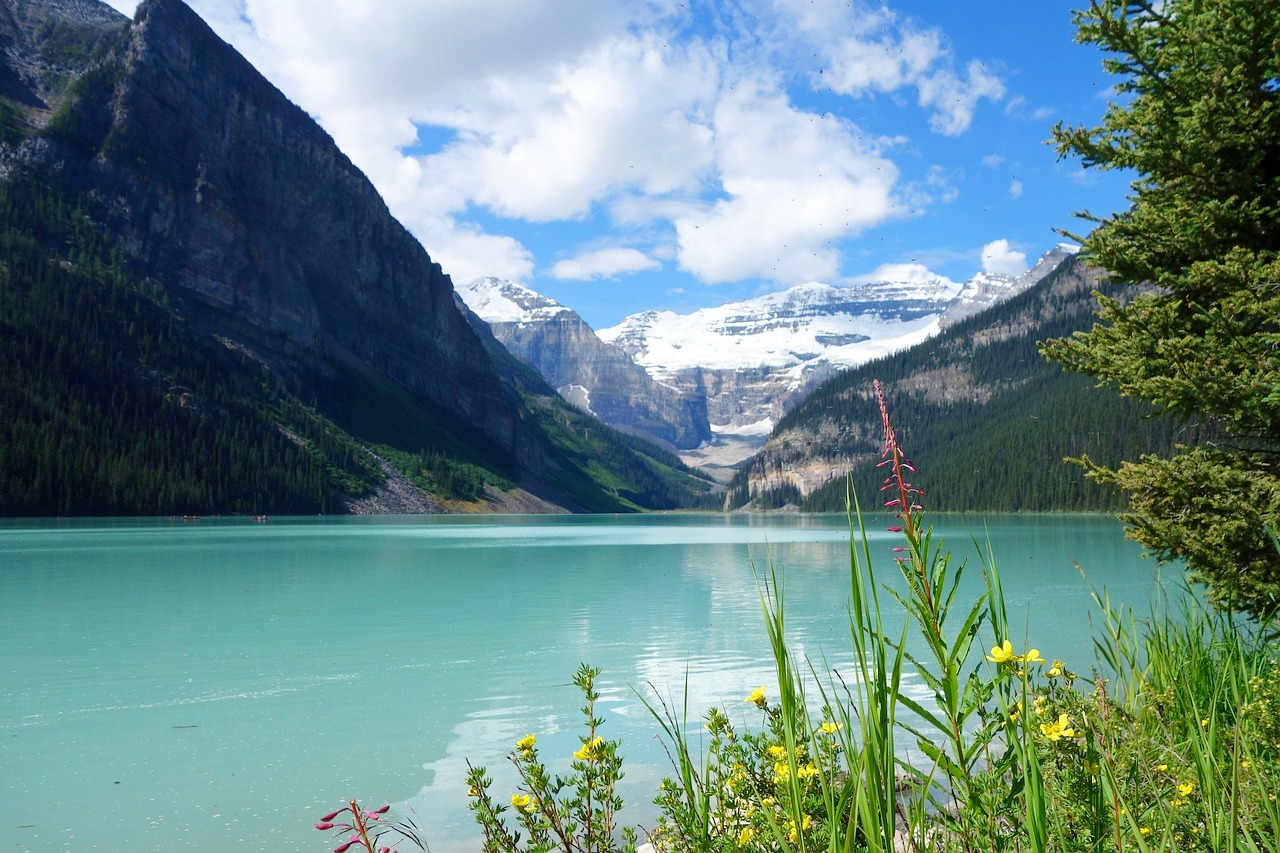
column 986, row 289
column 205, row 306
column 595, row 376
column 983, row 415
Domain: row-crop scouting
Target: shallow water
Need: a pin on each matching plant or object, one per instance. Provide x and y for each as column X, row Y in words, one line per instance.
column 203, row 685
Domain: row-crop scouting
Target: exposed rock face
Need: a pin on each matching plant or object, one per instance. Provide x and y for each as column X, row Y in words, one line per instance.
column 597, row 377
column 233, row 198
column 836, row 429
column 986, row 289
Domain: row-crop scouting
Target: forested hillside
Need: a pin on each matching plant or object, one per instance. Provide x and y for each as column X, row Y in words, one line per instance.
column 986, row 417
column 206, row 308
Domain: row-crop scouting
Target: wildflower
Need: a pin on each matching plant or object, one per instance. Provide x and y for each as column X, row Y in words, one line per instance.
column 830, row 728
column 1033, row 656
column 757, row 698
column 768, row 801
column 806, row 772
column 1246, row 764
column 781, row 772
column 526, row 743
column 1204, row 723
column 744, row 837
column 1002, row 653
column 1060, row 729
column 590, row 749
column 1144, row 830
column 1162, row 767
column 793, row 832
column 523, row 802
column 777, row 753
column 1015, row 713
column 1186, row 788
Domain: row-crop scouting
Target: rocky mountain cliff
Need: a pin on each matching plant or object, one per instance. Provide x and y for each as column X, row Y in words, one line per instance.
column 985, row 418
column 593, row 375
column 229, row 209
column 720, row 378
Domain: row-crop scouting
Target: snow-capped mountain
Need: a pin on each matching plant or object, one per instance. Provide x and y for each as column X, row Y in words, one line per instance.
column 737, row 367
column 595, row 376
column 986, row 289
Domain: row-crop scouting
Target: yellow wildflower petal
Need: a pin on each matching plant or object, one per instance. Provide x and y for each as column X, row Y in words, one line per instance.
column 526, row 743
column 757, row 697
column 1002, row 653
column 1033, row 656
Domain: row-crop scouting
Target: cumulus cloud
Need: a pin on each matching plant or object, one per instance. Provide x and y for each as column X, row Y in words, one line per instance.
column 1000, row 258
column 793, row 182
column 909, row 273
column 869, row 49
column 604, row 263
column 681, row 130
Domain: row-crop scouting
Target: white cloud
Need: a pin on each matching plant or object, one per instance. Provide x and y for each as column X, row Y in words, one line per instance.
column 555, row 151
column 1015, row 189
column 909, row 273
column 954, row 99
column 868, row 49
column 604, row 263
column 999, row 257
column 674, row 120
column 992, row 161
column 467, row 253
column 793, row 182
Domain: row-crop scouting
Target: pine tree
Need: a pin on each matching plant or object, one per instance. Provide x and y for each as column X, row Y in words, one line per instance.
column 1197, row 118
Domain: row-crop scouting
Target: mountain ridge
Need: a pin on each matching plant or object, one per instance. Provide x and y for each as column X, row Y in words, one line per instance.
column 149, row 157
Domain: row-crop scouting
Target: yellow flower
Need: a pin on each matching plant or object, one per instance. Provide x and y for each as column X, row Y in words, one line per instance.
column 1145, row 830
column 1186, row 788
column 1162, row 767
column 590, row 750
column 793, row 833
column 1002, row 653
column 1246, row 764
column 830, row 728
column 1032, row 656
column 781, row 771
column 768, row 802
column 1204, row 723
column 523, row 801
column 777, row 752
column 1056, row 670
column 473, row 791
column 1015, row 713
column 744, row 837
column 806, row 772
column 1060, row 729
column 757, row 698
column 526, row 743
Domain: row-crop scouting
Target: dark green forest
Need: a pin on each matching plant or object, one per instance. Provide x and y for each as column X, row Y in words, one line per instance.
column 110, row 408
column 113, row 407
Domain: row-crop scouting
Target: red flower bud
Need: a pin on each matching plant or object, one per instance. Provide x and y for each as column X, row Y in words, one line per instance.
column 324, row 824
column 332, row 815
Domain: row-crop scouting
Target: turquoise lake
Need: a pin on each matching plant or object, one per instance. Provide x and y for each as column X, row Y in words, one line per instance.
column 218, row 685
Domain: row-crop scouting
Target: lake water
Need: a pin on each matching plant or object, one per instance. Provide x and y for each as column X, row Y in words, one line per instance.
column 218, row 685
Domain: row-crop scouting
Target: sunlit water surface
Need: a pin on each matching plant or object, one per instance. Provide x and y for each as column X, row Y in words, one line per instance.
column 217, row 685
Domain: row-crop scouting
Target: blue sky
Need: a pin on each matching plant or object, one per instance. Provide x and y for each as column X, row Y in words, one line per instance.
column 625, row 155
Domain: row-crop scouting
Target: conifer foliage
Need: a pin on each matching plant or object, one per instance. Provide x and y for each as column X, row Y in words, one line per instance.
column 1198, row 120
